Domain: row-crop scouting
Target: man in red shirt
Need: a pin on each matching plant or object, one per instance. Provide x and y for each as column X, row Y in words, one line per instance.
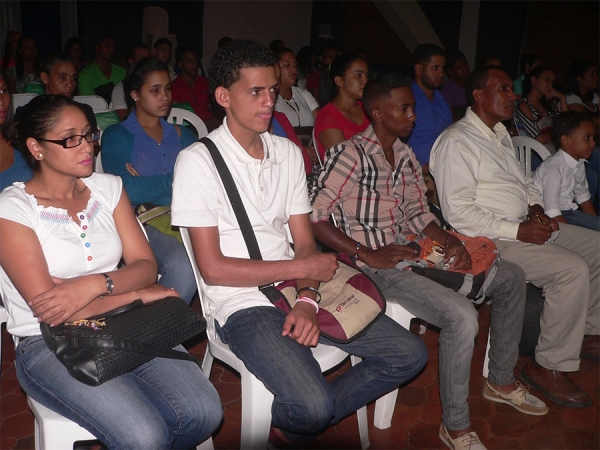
column 189, row 87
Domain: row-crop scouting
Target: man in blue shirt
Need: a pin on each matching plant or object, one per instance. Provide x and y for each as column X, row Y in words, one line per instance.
column 432, row 111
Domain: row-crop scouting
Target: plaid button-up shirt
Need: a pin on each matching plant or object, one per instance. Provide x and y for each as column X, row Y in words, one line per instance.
column 371, row 201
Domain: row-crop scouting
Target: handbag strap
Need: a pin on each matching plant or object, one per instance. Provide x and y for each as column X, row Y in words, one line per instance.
column 240, row 212
column 234, row 198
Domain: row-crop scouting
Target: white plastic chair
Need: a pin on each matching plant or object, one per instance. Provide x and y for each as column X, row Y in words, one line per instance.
column 21, row 99
column 98, row 163
column 178, row 115
column 256, row 399
column 97, row 103
column 523, row 147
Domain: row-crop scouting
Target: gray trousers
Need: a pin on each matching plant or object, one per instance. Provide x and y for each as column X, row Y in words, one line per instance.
column 457, row 318
column 569, row 273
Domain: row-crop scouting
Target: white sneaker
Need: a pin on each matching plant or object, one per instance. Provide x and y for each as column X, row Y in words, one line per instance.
column 465, row 441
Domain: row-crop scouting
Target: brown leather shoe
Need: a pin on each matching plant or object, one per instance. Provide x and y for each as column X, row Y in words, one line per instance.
column 590, row 348
column 555, row 385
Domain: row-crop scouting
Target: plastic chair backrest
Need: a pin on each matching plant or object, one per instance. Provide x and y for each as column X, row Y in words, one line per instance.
column 524, row 145
column 97, row 103
column 19, row 100
column 178, row 115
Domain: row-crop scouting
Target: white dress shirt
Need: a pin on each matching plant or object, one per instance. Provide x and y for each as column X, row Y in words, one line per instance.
column 481, row 188
column 561, row 179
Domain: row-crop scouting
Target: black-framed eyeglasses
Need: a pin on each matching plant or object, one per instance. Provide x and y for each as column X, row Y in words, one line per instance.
column 75, row 140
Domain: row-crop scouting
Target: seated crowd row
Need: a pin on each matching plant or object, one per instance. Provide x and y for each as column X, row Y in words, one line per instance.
column 380, row 190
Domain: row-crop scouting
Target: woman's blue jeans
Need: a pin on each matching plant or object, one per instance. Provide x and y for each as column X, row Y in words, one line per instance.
column 165, row 403
column 305, row 403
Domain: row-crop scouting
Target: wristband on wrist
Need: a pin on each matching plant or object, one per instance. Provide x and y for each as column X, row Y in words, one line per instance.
column 309, row 288
column 309, row 300
column 355, row 257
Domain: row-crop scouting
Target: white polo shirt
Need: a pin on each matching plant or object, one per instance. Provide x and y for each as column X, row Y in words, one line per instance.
column 272, row 190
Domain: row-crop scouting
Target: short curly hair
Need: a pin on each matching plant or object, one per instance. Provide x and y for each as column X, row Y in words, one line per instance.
column 225, row 65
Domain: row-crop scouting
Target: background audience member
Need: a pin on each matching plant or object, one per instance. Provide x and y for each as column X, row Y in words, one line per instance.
column 25, row 73
column 118, row 101
column 281, row 126
column 12, row 164
column 163, row 403
column 454, row 89
column 10, row 50
column 540, row 104
column 307, row 64
column 100, row 77
column 297, row 104
column 59, row 76
column 163, row 50
column 343, row 116
column 561, row 177
column 527, row 63
column 142, row 151
column 75, row 49
column 224, row 40
column 313, row 81
column 582, row 95
column 189, row 87
column 432, row 111
column 276, row 45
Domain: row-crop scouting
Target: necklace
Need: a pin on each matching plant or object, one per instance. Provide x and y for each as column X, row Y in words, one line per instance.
column 296, row 109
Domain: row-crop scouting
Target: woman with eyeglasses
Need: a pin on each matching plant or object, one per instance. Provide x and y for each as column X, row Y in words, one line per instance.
column 142, row 151
column 69, row 229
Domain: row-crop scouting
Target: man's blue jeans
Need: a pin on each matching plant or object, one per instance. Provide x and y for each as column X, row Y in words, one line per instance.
column 165, row 403
column 305, row 403
column 457, row 318
column 581, row 219
column 173, row 264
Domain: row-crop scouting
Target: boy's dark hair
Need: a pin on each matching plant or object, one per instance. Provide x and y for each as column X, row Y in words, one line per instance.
column 103, row 36
column 162, row 41
column 424, row 52
column 226, row 63
column 566, row 124
column 382, row 88
column 183, row 48
column 478, row 80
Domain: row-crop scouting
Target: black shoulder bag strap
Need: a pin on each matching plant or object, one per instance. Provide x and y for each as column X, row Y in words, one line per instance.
column 240, row 212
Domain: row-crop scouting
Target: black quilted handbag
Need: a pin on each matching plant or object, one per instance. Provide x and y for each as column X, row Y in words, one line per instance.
column 100, row 348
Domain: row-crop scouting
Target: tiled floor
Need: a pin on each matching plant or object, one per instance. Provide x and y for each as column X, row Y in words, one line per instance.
column 416, row 417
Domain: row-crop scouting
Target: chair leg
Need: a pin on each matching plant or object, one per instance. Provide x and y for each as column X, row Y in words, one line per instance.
column 486, row 360
column 256, row 412
column 207, row 363
column 384, row 410
column 361, row 416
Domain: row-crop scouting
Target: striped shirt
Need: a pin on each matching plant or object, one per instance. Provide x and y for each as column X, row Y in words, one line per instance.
column 371, row 201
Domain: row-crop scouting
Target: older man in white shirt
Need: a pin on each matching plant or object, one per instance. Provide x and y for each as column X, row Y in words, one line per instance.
column 483, row 192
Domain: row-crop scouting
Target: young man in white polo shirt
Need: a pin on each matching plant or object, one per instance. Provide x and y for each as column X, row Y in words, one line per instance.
column 270, row 177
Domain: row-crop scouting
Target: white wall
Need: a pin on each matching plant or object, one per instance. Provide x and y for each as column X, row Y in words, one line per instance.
column 261, row 20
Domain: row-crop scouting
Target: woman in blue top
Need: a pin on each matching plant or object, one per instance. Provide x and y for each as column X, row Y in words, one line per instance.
column 142, row 150
column 12, row 164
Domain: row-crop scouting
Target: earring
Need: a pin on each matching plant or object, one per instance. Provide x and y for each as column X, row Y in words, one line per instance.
column 39, row 156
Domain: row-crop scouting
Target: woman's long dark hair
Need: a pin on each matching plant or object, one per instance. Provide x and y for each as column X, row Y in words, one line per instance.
column 576, row 69
column 19, row 57
column 328, row 90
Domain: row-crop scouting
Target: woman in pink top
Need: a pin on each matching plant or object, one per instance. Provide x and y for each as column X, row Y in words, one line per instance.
column 343, row 116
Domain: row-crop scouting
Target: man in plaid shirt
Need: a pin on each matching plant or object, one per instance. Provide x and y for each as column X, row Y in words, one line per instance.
column 373, row 186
